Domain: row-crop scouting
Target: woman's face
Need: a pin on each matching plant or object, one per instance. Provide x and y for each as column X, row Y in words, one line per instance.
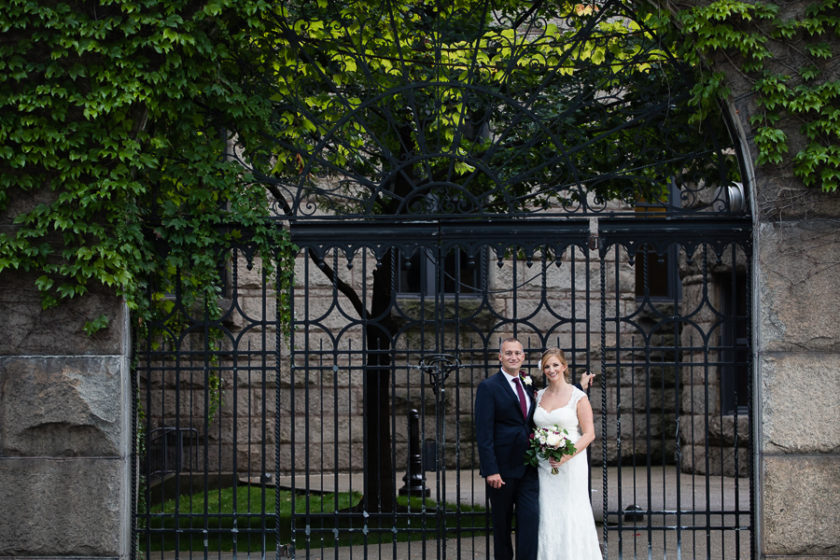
column 553, row 369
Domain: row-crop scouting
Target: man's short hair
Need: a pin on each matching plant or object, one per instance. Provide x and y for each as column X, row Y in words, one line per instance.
column 509, row 339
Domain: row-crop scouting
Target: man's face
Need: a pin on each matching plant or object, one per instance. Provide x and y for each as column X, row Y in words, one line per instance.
column 511, row 356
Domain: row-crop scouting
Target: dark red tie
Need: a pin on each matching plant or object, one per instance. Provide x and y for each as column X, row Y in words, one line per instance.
column 523, row 403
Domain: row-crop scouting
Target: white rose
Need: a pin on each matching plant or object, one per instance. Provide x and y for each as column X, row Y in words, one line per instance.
column 554, row 440
column 526, row 380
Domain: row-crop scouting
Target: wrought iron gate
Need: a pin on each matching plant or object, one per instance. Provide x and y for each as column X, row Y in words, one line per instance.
column 339, row 437
column 439, row 204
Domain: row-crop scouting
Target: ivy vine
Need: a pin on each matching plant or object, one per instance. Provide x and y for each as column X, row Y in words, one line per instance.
column 115, row 121
column 757, row 39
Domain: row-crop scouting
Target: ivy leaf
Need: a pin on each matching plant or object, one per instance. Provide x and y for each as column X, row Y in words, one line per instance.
column 94, row 326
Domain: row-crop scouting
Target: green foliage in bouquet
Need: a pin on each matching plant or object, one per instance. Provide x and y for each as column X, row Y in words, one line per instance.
column 549, row 443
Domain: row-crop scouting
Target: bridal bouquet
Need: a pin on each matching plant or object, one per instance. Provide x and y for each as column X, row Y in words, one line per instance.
column 549, row 443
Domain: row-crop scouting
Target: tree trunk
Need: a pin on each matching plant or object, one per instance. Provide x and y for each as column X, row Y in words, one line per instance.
column 379, row 482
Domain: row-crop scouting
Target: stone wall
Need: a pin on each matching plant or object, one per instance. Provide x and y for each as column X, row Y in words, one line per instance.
column 64, row 427
column 798, row 368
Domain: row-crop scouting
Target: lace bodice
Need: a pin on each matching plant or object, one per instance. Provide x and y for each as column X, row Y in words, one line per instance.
column 564, row 416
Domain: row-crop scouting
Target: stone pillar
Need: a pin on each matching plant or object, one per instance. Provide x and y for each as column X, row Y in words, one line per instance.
column 798, row 366
column 65, row 435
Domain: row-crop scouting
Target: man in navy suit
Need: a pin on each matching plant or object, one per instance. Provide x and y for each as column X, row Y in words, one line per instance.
column 504, row 408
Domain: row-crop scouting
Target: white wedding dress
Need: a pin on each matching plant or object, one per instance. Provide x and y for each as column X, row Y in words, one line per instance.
column 567, row 526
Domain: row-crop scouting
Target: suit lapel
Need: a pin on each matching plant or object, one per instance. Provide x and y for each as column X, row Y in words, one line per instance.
column 505, row 383
column 514, row 397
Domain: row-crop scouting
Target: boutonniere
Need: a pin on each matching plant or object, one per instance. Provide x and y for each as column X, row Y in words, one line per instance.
column 526, row 379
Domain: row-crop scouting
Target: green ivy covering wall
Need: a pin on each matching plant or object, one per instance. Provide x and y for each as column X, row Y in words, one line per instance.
column 114, row 117
column 789, row 62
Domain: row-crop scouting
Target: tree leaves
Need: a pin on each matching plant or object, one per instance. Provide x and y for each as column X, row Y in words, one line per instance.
column 513, row 105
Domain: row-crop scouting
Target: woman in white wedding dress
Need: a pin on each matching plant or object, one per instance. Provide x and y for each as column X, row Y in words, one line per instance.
column 567, row 526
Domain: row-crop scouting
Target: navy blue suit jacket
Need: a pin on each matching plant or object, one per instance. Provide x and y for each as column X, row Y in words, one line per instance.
column 502, row 434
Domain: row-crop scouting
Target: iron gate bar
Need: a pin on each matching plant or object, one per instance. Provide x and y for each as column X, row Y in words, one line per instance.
column 662, row 233
column 349, row 237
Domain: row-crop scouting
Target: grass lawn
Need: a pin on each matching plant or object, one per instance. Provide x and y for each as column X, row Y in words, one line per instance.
column 245, row 520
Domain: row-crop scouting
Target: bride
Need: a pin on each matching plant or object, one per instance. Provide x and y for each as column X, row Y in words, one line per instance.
column 567, row 526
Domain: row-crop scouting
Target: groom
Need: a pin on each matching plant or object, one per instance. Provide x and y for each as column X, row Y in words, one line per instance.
column 504, row 407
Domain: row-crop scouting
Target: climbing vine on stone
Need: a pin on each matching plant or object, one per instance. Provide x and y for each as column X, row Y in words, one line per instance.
column 115, row 122
column 788, row 64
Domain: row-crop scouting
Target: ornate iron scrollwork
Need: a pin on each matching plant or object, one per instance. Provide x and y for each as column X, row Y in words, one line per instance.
column 557, row 109
column 438, row 367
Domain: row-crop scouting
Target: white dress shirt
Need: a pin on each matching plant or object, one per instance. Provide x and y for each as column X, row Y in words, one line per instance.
column 510, row 379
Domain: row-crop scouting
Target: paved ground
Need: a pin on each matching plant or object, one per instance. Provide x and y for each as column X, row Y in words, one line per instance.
column 662, row 487
column 654, row 537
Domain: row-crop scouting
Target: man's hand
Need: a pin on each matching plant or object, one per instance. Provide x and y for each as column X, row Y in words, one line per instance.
column 495, row 481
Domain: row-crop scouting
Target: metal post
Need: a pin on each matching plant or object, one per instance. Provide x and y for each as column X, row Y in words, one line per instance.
column 415, row 478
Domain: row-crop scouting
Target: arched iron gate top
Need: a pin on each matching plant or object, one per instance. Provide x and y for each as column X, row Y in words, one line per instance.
column 390, row 111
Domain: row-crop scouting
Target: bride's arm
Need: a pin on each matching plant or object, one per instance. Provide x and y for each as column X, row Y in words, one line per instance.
column 587, row 425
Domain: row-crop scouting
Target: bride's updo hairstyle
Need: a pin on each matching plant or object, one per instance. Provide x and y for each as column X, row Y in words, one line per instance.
column 561, row 356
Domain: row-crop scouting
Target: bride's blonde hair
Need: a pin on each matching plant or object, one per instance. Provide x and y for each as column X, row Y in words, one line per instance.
column 560, row 355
